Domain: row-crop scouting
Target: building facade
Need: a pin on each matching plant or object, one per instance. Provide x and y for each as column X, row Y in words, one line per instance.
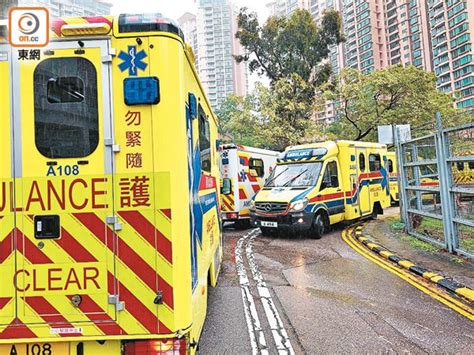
column 434, row 35
column 407, row 33
column 61, row 8
column 188, row 24
column 452, row 39
column 211, row 33
column 286, row 7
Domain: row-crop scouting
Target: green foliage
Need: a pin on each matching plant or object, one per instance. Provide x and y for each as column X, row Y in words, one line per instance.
column 286, row 46
column 238, row 122
column 268, row 118
column 290, row 52
column 395, row 95
column 420, row 244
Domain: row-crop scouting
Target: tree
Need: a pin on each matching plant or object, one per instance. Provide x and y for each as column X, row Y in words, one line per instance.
column 261, row 118
column 238, row 122
column 286, row 46
column 290, row 51
column 395, row 95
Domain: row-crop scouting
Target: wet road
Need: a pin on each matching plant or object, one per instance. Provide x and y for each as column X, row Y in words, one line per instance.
column 326, row 298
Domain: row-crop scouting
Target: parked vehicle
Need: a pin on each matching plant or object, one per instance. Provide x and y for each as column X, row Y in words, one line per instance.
column 317, row 185
column 243, row 172
column 109, row 200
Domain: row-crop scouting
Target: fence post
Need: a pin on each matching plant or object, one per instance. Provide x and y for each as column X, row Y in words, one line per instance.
column 444, row 186
column 402, row 180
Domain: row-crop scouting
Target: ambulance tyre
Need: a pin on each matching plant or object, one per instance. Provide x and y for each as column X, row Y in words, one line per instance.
column 320, row 225
column 376, row 210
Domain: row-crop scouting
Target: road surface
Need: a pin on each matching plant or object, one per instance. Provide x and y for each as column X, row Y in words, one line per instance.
column 299, row 295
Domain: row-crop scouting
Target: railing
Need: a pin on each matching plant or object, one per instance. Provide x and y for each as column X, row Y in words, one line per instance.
column 437, row 187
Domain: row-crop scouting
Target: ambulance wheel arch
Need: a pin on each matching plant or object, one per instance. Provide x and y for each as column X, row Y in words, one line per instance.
column 320, row 224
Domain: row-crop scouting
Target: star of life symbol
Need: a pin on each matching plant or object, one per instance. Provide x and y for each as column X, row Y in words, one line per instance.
column 132, row 60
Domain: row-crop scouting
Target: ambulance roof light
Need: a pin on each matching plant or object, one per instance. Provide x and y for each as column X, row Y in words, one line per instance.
column 305, row 153
column 148, row 23
column 83, row 29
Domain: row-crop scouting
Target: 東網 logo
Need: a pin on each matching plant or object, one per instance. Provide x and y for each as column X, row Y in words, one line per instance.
column 28, row 26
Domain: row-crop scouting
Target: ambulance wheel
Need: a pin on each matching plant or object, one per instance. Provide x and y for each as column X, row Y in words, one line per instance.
column 320, row 225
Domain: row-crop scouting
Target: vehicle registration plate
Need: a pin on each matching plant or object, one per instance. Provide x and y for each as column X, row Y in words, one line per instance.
column 36, row 349
column 269, row 224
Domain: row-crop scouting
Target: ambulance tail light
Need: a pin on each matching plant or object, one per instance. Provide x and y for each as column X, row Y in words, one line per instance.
column 156, row 347
column 232, row 215
column 99, row 28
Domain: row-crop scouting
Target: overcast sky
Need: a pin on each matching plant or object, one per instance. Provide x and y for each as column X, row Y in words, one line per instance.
column 175, row 8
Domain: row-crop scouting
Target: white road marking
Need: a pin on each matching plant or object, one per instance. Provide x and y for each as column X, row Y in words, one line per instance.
column 280, row 336
column 257, row 337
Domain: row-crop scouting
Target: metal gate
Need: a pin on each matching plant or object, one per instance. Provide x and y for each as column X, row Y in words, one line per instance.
column 437, row 187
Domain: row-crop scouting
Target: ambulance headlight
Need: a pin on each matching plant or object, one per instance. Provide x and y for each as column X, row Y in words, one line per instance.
column 299, row 205
column 252, row 205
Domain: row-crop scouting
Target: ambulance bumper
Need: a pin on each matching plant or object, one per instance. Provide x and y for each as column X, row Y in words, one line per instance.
column 292, row 222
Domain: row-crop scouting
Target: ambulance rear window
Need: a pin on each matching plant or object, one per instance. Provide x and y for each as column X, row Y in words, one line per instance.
column 66, row 108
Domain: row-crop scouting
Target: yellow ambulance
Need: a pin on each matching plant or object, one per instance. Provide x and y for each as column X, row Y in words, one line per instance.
column 109, row 203
column 243, row 173
column 316, row 185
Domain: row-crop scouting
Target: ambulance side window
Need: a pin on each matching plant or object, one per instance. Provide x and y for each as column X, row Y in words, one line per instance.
column 330, row 178
column 258, row 166
column 66, row 108
column 204, row 141
column 374, row 162
column 362, row 162
column 390, row 166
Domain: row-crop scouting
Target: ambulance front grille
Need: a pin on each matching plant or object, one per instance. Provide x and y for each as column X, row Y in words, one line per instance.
column 271, row 207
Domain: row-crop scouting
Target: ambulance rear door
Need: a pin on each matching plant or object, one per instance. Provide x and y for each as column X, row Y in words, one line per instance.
column 64, row 166
column 7, row 255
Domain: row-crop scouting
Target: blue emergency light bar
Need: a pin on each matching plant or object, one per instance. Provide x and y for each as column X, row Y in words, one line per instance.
column 148, row 23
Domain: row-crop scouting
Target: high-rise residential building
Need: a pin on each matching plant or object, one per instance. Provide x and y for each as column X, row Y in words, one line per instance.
column 336, row 53
column 61, row 8
column 452, row 38
column 214, row 47
column 364, row 27
column 286, row 7
column 407, row 33
column 317, row 8
column 188, row 24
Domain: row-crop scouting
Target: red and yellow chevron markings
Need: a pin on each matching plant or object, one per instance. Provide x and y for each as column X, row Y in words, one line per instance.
column 44, row 305
column 228, row 203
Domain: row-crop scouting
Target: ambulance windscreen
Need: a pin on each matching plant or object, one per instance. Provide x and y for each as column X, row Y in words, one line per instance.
column 66, row 108
column 294, row 175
